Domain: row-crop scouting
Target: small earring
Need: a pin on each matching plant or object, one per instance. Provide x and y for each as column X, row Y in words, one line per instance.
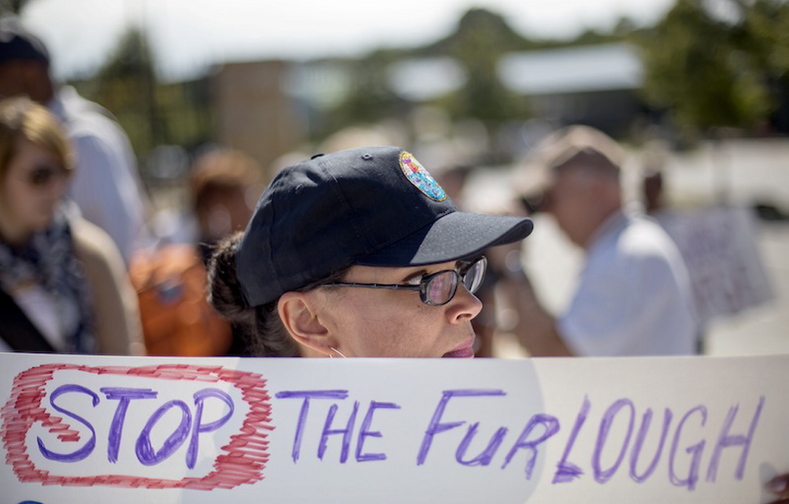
column 337, row 352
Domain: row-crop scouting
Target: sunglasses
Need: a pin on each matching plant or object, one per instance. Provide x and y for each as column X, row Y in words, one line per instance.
column 42, row 176
column 439, row 288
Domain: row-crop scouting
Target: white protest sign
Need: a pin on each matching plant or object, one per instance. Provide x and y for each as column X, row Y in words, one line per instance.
column 720, row 249
column 218, row 430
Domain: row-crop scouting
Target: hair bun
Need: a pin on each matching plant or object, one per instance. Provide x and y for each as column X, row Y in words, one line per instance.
column 224, row 291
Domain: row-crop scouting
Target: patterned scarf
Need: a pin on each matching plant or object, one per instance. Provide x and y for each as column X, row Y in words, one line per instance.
column 48, row 259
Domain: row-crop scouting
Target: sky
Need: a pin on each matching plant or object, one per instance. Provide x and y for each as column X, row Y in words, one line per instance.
column 188, row 36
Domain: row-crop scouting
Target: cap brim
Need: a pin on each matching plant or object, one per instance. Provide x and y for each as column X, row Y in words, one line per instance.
column 457, row 235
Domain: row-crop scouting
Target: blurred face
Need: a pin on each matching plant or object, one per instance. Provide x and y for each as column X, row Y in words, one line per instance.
column 395, row 323
column 575, row 199
column 226, row 211
column 11, row 81
column 34, row 183
column 26, row 78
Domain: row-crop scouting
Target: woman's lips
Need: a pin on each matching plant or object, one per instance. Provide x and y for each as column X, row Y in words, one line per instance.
column 464, row 352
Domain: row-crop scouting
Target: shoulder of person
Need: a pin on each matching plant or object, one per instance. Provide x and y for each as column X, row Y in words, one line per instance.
column 84, row 118
column 117, row 313
column 92, row 242
column 75, row 105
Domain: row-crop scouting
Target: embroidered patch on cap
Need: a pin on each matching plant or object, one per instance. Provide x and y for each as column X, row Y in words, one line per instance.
column 418, row 176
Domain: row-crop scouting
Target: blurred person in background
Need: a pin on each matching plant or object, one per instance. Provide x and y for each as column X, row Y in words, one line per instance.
column 653, row 183
column 634, row 294
column 170, row 278
column 225, row 186
column 652, row 190
column 106, row 185
column 63, row 284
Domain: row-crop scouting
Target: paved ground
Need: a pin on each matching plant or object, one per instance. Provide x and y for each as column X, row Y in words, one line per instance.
column 748, row 172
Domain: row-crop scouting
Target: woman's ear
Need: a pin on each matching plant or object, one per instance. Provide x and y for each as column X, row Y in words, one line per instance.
column 300, row 318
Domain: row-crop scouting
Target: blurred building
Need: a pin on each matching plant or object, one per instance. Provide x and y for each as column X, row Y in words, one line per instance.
column 271, row 108
column 253, row 111
column 595, row 85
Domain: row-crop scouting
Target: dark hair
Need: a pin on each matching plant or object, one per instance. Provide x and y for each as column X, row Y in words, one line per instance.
column 221, row 170
column 261, row 325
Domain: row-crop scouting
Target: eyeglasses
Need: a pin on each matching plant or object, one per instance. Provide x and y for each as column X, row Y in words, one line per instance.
column 439, row 288
column 42, row 176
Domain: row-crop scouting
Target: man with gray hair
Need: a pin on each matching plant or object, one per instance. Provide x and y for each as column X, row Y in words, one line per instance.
column 634, row 295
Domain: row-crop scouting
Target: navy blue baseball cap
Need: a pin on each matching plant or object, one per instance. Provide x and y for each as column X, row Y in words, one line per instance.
column 373, row 206
column 16, row 43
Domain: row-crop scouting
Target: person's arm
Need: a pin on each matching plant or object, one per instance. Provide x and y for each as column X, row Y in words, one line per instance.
column 536, row 328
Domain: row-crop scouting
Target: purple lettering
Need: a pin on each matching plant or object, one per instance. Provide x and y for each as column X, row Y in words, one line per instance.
column 567, row 471
column 144, row 450
column 726, row 440
column 124, row 397
column 200, row 397
column 695, row 451
column 436, row 427
column 346, row 432
column 305, row 408
column 88, row 447
column 366, row 432
column 551, row 425
column 600, row 475
column 487, row 454
column 639, row 443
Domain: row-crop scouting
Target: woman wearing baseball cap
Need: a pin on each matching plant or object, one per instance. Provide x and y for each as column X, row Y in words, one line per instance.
column 358, row 253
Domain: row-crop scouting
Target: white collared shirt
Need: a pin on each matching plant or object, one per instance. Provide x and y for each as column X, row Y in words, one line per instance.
column 106, row 185
column 634, row 295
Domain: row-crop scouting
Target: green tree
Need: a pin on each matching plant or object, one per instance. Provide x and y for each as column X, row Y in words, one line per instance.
column 369, row 99
column 126, row 85
column 706, row 66
column 12, row 7
column 480, row 40
column 767, row 28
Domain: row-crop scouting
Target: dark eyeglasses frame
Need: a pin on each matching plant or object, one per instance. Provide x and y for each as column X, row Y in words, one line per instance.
column 422, row 288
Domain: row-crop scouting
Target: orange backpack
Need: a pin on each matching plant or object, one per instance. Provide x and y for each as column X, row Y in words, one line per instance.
column 176, row 317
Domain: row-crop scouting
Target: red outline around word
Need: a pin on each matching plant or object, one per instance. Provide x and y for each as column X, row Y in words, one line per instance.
column 242, row 460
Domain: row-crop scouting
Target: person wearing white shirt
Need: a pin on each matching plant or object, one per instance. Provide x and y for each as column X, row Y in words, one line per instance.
column 634, row 294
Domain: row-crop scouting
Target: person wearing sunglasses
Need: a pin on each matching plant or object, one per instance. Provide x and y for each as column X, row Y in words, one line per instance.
column 106, row 185
column 358, row 253
column 63, row 284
